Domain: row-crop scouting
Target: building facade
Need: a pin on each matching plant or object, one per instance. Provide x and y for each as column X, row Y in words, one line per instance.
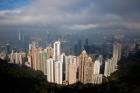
column 58, row 72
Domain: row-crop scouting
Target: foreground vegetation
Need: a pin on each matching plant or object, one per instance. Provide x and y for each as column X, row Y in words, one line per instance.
column 20, row 79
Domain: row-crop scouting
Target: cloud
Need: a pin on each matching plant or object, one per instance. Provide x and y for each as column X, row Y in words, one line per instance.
column 82, row 27
column 74, row 14
column 6, row 12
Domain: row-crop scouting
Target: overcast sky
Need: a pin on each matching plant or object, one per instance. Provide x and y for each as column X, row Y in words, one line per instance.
column 72, row 15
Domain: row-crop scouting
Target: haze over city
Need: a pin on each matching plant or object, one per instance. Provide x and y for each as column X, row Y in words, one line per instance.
column 92, row 17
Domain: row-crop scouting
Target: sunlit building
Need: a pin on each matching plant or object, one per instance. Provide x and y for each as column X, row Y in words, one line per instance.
column 71, row 69
column 97, row 65
column 17, row 57
column 34, row 56
column 56, row 50
column 83, row 58
column 88, row 71
column 50, row 70
column 110, row 65
column 49, row 51
column 85, row 68
column 97, row 79
column 58, row 72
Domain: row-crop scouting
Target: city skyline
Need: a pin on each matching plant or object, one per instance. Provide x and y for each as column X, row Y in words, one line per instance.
column 21, row 22
column 62, row 68
column 69, row 46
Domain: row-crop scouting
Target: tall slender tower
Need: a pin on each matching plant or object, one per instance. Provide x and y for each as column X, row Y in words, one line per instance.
column 34, row 56
column 58, row 72
column 50, row 70
column 83, row 58
column 19, row 35
column 72, row 73
column 117, row 52
column 56, row 51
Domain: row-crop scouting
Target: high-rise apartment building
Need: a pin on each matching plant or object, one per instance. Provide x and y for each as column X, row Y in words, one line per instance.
column 72, row 69
column 58, row 72
column 117, row 52
column 88, row 71
column 49, row 52
column 56, row 50
column 34, row 56
column 42, row 61
column 85, row 67
column 66, row 66
column 83, row 58
column 97, row 65
column 97, row 79
column 17, row 57
column 110, row 65
column 70, row 65
column 50, row 70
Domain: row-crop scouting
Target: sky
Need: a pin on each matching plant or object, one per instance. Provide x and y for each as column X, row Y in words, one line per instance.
column 71, row 15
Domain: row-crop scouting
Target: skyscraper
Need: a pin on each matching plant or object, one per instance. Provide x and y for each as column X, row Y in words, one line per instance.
column 117, row 52
column 66, row 64
column 56, row 50
column 17, row 57
column 63, row 59
column 50, row 70
column 85, row 67
column 97, row 65
column 72, row 69
column 83, row 57
column 97, row 79
column 29, row 60
column 88, row 71
column 49, row 52
column 44, row 59
column 58, row 72
column 19, row 35
column 33, row 56
column 8, row 48
column 110, row 65
column 39, row 62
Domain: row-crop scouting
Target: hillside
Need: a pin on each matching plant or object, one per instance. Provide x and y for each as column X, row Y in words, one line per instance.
column 17, row 79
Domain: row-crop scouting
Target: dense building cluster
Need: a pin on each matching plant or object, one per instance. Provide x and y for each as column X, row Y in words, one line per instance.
column 68, row 69
column 64, row 68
